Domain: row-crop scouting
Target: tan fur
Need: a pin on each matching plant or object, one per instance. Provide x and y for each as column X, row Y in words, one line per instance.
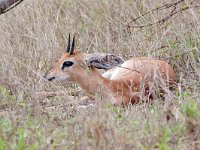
column 123, row 85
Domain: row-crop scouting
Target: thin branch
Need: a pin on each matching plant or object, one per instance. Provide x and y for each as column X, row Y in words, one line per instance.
column 163, row 20
column 6, row 5
column 156, row 9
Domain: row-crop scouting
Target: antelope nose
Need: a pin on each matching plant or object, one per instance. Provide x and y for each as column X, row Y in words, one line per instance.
column 45, row 75
column 50, row 79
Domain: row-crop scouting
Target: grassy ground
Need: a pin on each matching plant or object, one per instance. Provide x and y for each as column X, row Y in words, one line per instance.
column 36, row 114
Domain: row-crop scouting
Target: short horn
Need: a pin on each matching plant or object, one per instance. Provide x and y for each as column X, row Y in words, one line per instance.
column 68, row 46
column 73, row 45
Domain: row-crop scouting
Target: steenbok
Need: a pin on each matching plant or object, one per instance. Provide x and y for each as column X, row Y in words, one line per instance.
column 123, row 82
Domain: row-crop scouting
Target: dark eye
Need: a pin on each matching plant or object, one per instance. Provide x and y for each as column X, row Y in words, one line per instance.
column 67, row 64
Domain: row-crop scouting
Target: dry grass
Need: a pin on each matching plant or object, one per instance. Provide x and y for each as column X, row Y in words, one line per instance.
column 33, row 37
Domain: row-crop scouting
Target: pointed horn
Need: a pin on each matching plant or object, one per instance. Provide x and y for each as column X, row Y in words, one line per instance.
column 68, row 46
column 73, row 45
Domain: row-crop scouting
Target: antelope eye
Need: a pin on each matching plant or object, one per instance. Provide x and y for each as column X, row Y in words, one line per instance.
column 67, row 64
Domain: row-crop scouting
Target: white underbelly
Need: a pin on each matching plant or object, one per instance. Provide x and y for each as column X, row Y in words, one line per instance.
column 112, row 74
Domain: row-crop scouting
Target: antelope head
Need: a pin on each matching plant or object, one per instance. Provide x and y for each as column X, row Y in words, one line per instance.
column 75, row 64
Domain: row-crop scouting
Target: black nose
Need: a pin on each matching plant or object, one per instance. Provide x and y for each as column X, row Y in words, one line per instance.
column 50, row 79
column 45, row 75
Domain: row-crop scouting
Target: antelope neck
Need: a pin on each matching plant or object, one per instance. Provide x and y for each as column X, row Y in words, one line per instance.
column 93, row 83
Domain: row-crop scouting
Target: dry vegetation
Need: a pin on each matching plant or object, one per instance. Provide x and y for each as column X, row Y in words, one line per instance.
column 36, row 114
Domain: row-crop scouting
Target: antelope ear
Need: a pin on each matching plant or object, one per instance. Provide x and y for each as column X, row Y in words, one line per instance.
column 103, row 61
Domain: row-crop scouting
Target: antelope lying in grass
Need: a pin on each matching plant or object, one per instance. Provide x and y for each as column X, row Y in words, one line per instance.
column 122, row 83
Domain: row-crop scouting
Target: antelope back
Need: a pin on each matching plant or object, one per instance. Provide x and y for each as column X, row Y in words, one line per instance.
column 142, row 69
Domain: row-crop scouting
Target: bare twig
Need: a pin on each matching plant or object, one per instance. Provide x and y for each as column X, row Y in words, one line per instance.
column 6, row 5
column 173, row 12
column 156, row 9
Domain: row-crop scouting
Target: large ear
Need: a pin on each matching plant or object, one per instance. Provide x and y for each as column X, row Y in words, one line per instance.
column 103, row 61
